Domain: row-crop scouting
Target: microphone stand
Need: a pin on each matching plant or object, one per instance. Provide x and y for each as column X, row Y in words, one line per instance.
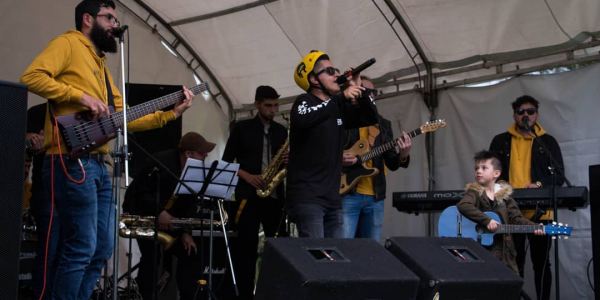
column 554, row 168
column 120, row 155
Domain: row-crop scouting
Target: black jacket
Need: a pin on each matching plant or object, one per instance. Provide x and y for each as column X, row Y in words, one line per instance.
column 316, row 146
column 390, row 158
column 245, row 145
column 501, row 145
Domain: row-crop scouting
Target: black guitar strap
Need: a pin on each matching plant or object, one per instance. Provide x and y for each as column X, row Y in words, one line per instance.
column 111, row 101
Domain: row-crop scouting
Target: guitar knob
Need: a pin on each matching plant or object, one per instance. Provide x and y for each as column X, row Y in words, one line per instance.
column 554, row 237
column 566, row 237
column 560, row 224
column 553, row 223
column 566, row 225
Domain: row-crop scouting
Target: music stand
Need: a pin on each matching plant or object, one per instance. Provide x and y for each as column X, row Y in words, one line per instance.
column 214, row 183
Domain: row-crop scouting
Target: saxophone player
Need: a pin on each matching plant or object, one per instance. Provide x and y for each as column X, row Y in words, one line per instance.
column 140, row 200
column 253, row 143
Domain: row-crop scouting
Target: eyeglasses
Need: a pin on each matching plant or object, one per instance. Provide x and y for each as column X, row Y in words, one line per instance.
column 374, row 92
column 330, row 70
column 521, row 111
column 113, row 21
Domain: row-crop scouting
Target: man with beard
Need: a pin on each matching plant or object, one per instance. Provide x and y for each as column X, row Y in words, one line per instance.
column 525, row 165
column 252, row 143
column 71, row 73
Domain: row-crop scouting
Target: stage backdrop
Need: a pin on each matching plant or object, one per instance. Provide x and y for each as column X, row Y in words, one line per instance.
column 569, row 111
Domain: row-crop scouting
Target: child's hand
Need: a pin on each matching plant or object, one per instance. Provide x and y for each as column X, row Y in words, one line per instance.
column 492, row 226
column 539, row 231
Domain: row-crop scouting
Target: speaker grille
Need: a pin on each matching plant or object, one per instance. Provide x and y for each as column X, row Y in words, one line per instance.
column 13, row 119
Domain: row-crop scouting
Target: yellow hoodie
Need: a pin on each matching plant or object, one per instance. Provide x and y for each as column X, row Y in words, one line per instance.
column 520, row 162
column 68, row 67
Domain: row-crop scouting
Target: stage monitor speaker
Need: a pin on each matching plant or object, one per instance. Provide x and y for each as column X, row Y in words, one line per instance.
column 455, row 269
column 299, row 269
column 595, row 218
column 13, row 124
column 154, row 140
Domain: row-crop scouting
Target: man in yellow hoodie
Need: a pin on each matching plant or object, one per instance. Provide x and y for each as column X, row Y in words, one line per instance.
column 72, row 74
column 525, row 165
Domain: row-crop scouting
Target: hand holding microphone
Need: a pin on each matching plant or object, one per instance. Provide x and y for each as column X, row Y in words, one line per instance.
column 353, row 72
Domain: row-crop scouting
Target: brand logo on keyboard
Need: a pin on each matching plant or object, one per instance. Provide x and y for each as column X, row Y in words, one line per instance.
column 413, row 196
column 449, row 195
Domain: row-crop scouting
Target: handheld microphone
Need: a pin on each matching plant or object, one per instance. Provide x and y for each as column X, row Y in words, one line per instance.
column 526, row 122
column 118, row 32
column 344, row 77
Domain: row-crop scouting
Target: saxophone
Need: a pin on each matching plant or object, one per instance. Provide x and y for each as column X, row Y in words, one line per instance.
column 272, row 175
column 143, row 228
column 139, row 227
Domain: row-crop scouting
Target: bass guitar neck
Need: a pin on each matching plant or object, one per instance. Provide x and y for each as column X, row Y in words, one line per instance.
column 82, row 135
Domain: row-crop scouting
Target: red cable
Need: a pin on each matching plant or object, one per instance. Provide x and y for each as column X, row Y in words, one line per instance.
column 61, row 158
column 52, row 198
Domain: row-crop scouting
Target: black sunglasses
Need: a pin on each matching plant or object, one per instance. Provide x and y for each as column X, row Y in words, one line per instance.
column 330, row 70
column 521, row 111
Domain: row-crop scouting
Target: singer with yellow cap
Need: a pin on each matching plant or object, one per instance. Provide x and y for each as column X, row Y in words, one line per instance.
column 318, row 119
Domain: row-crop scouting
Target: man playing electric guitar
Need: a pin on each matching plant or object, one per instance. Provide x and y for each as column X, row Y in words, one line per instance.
column 364, row 204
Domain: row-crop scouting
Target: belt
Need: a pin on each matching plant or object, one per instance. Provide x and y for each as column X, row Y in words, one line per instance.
column 99, row 157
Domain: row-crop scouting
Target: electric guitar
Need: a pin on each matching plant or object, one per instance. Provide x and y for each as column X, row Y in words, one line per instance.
column 81, row 135
column 454, row 224
column 363, row 152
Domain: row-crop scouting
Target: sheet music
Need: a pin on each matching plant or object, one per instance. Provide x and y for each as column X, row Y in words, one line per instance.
column 222, row 183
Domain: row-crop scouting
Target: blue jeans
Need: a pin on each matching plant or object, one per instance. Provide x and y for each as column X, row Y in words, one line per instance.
column 85, row 228
column 41, row 207
column 364, row 210
column 316, row 221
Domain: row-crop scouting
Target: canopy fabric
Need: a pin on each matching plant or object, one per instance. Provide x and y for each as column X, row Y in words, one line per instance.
column 262, row 44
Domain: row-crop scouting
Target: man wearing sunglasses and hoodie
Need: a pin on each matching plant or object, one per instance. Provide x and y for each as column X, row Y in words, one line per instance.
column 317, row 123
column 525, row 165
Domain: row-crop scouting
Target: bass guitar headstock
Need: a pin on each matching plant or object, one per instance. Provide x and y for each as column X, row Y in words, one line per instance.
column 432, row 126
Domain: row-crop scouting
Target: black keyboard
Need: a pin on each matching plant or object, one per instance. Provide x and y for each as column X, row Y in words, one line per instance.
column 416, row 202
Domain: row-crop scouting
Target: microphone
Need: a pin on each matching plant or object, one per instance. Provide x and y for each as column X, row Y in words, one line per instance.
column 526, row 122
column 118, row 32
column 344, row 77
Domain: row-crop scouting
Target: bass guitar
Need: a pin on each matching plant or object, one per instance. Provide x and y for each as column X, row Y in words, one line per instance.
column 81, row 135
column 453, row 224
column 363, row 153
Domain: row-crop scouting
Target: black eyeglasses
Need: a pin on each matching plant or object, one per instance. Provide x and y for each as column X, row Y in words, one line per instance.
column 113, row 21
column 330, row 70
column 521, row 111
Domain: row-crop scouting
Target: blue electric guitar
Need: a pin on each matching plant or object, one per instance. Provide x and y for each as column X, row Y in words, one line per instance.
column 453, row 224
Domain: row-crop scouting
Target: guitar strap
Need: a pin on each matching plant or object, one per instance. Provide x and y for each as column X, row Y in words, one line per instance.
column 111, row 101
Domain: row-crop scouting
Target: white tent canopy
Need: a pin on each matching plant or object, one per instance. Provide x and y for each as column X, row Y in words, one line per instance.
column 237, row 45
column 249, row 43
